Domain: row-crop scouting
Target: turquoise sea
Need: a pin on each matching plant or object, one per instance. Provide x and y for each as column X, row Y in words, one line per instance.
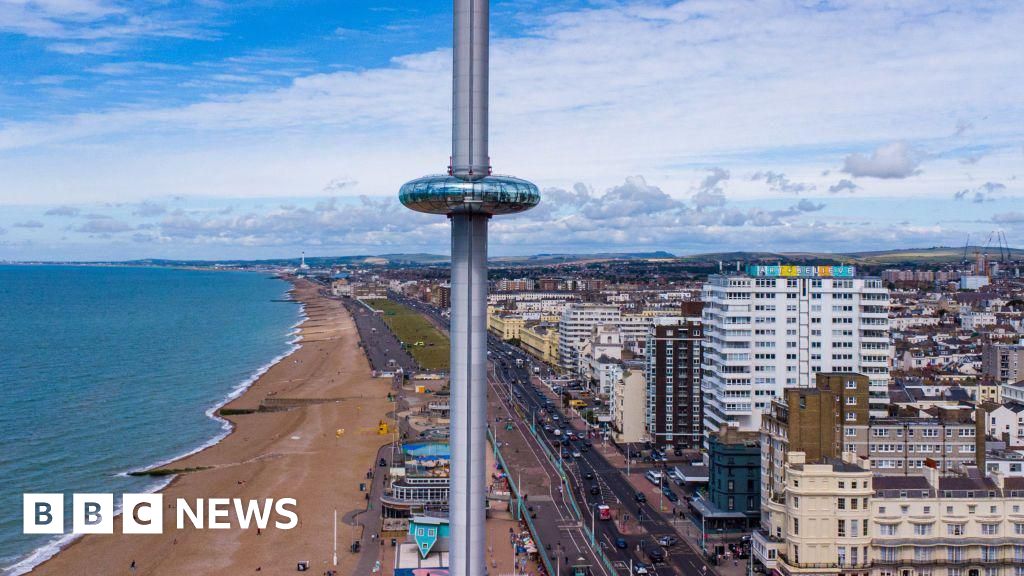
column 104, row 370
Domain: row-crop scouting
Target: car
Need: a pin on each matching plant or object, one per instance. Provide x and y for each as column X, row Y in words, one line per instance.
column 588, row 476
column 549, row 428
column 620, row 543
column 670, row 495
column 576, row 454
column 640, row 497
column 383, row 462
column 642, row 568
column 595, row 490
column 668, row 540
column 656, row 554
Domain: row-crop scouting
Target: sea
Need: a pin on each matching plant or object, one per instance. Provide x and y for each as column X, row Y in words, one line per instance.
column 108, row 370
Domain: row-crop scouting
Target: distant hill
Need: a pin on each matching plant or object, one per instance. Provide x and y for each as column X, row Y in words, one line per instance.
column 900, row 257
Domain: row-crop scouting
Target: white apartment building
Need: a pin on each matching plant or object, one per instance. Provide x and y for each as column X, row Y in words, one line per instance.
column 577, row 328
column 778, row 326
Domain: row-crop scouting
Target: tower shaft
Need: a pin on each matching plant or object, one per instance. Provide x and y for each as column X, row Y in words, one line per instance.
column 468, row 436
column 470, row 159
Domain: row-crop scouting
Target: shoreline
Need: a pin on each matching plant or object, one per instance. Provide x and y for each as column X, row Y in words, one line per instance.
column 248, row 392
column 43, row 553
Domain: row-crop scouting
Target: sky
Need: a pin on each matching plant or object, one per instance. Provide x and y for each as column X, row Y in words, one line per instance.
column 250, row 129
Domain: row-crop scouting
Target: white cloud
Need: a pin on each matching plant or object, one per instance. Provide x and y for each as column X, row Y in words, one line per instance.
column 779, row 183
column 895, row 160
column 746, row 87
column 844, row 185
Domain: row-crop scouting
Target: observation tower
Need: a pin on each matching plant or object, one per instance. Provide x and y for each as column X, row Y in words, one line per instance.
column 469, row 195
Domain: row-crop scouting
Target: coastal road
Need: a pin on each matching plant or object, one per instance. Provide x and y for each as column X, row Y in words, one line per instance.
column 615, row 488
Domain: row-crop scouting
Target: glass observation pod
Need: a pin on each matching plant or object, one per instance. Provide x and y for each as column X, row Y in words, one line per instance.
column 443, row 194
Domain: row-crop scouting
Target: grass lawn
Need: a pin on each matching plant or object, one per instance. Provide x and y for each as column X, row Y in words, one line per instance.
column 411, row 327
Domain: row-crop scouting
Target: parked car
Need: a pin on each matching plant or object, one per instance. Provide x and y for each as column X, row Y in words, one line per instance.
column 595, row 490
column 620, row 543
column 669, row 494
column 588, row 475
column 640, row 497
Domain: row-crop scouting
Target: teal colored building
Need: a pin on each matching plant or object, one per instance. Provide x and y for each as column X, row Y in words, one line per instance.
column 733, row 502
column 427, row 532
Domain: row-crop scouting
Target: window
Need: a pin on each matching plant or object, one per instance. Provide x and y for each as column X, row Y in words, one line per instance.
column 922, row 530
column 887, row 529
column 990, row 529
column 841, row 531
column 842, row 504
column 955, row 529
column 796, row 526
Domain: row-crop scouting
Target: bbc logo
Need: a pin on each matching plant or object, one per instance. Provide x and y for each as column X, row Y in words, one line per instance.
column 144, row 513
column 92, row 513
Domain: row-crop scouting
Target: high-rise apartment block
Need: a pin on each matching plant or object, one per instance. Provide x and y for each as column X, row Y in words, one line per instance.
column 1003, row 362
column 674, row 414
column 776, row 327
column 577, row 327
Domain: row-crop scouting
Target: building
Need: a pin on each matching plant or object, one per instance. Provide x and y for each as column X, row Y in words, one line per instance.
column 734, row 482
column 1012, row 392
column 541, row 341
column 674, row 412
column 973, row 282
column 832, row 418
column 577, row 323
column 1005, row 422
column 836, row 518
column 516, row 285
column 1003, row 362
column 504, row 326
column 576, row 327
column 819, row 521
column 441, row 296
column 628, row 401
column 778, row 326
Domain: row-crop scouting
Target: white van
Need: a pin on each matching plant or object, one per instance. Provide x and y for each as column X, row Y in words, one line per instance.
column 654, row 476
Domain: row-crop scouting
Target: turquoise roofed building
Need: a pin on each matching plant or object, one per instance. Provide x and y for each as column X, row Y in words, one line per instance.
column 427, row 532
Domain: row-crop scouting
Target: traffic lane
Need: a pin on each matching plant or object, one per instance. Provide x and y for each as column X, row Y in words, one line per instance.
column 551, row 531
column 682, row 556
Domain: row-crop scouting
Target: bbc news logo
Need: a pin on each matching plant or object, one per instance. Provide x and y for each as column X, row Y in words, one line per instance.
column 144, row 513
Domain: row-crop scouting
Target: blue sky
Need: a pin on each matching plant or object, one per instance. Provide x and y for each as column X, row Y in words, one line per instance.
column 260, row 128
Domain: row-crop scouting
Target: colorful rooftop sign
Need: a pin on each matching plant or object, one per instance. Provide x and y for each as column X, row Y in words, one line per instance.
column 791, row 271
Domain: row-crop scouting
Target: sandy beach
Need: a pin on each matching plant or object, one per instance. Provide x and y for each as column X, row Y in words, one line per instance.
column 323, row 387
